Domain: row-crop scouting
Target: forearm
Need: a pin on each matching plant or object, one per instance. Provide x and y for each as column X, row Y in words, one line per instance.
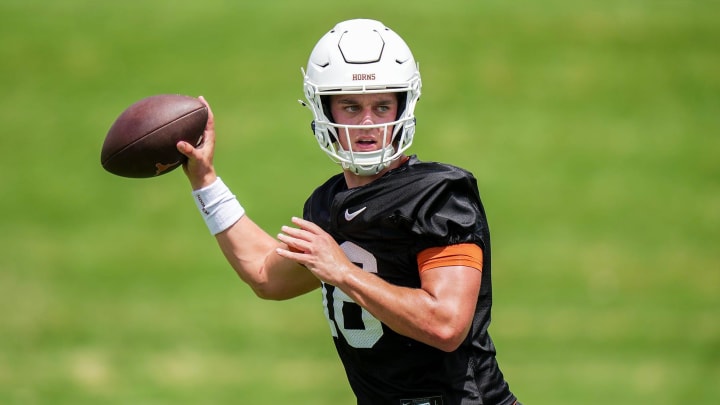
column 439, row 321
column 248, row 248
column 252, row 254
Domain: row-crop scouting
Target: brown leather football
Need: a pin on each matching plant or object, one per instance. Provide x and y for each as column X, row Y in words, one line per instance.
column 142, row 140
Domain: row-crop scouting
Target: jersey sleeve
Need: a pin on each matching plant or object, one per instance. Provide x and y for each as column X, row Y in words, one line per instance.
column 450, row 212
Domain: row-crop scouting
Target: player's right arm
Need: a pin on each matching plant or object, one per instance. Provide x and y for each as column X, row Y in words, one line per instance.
column 248, row 248
column 252, row 253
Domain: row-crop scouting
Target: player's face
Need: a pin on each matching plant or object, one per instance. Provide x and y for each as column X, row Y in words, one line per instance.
column 364, row 109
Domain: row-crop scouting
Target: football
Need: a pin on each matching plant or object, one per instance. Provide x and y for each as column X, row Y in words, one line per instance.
column 141, row 142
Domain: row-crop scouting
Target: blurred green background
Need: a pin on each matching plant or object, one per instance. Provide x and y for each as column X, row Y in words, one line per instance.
column 593, row 128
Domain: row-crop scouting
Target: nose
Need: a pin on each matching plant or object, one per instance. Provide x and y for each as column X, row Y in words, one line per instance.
column 367, row 117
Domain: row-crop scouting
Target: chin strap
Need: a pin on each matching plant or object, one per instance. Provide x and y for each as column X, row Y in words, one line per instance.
column 367, row 163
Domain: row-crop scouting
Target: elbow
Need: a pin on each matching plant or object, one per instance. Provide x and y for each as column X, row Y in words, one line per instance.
column 265, row 291
column 449, row 344
column 261, row 287
column 280, row 291
column 264, row 287
column 450, row 337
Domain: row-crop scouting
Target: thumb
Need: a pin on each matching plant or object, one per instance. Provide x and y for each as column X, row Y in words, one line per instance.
column 185, row 148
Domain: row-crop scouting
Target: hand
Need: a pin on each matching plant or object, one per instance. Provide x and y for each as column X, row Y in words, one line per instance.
column 312, row 247
column 199, row 167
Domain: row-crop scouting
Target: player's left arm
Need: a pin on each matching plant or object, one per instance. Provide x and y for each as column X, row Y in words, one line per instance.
column 439, row 313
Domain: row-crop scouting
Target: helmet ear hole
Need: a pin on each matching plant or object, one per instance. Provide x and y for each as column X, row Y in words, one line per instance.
column 402, row 102
column 325, row 102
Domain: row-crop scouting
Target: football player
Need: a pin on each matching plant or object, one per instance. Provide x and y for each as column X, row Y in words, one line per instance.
column 399, row 248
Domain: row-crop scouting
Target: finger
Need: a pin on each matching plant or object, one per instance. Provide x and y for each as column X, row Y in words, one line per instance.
column 306, row 225
column 296, row 232
column 291, row 254
column 295, row 237
column 187, row 149
column 209, row 131
column 293, row 244
column 208, row 137
column 211, row 116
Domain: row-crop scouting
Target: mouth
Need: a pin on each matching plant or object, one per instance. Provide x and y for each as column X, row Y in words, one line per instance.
column 365, row 145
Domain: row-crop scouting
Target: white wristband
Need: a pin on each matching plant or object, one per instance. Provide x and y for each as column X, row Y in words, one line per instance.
column 218, row 206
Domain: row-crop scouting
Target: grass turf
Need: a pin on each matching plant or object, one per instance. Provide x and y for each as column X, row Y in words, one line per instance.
column 592, row 128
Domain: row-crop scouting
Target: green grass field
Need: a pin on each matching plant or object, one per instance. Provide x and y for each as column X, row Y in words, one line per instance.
column 593, row 128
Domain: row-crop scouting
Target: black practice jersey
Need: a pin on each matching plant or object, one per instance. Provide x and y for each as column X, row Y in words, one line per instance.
column 382, row 227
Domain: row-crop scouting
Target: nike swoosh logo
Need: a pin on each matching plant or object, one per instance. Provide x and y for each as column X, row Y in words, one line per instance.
column 349, row 216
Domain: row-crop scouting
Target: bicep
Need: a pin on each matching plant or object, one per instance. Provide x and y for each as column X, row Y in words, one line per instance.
column 452, row 275
column 455, row 288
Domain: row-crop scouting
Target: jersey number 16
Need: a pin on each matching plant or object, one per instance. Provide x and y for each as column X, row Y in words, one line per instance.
column 359, row 328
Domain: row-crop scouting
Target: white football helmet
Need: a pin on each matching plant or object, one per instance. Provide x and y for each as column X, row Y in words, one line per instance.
column 358, row 57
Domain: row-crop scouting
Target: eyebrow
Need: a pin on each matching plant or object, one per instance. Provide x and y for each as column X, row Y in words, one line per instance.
column 352, row 100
